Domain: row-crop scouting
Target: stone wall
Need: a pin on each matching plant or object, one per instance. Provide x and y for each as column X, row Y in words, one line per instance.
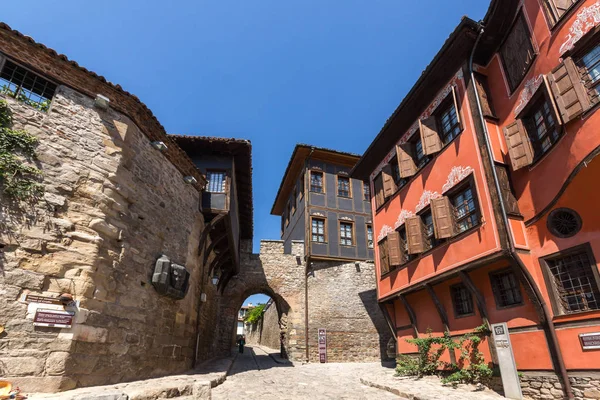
column 266, row 331
column 343, row 300
column 112, row 205
column 546, row 385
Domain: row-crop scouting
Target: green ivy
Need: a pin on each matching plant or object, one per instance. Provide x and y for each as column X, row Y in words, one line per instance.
column 42, row 106
column 255, row 314
column 18, row 179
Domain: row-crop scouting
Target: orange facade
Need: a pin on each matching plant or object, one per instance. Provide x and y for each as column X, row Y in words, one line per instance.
column 543, row 151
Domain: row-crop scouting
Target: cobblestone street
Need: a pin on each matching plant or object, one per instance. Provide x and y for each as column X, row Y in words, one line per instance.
column 255, row 375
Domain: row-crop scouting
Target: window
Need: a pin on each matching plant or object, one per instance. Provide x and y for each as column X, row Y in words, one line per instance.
column 555, row 9
column 316, row 182
column 404, row 244
column 294, row 200
column 343, row 186
column 398, row 180
column 288, row 214
column 384, row 260
column 302, row 186
column 505, row 287
column 517, row 52
column 465, row 209
column 282, row 222
column 216, row 181
column 462, row 300
column 448, row 122
column 590, row 64
column 429, row 232
column 379, row 192
column 366, row 191
column 26, row 86
column 419, row 157
column 318, row 230
column 541, row 126
column 574, row 281
column 369, row 236
column 483, row 90
column 346, row 234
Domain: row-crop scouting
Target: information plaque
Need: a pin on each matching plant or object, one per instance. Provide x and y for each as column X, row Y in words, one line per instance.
column 506, row 360
column 322, row 345
column 53, row 318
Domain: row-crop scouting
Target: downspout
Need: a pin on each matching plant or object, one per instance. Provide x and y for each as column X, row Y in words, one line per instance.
column 306, row 251
column 551, row 330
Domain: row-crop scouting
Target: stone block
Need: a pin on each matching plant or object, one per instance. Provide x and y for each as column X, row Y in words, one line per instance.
column 56, row 363
column 46, row 384
column 21, row 366
column 111, row 395
column 591, row 393
column 201, row 390
column 105, row 228
column 23, row 279
column 90, row 334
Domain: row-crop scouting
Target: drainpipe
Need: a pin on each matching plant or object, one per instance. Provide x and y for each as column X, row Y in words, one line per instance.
column 306, row 249
column 550, row 329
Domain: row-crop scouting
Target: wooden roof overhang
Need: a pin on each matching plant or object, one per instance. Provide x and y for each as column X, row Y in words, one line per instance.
column 296, row 164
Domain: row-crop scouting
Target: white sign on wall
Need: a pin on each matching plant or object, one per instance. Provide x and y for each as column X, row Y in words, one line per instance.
column 506, row 361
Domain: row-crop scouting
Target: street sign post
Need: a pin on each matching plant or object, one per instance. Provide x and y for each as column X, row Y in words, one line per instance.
column 506, row 359
column 322, row 345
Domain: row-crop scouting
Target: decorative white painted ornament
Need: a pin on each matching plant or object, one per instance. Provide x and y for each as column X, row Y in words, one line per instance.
column 318, row 214
column 587, row 19
column 346, row 219
column 531, row 86
column 456, row 175
column 426, row 199
column 384, row 231
column 402, row 217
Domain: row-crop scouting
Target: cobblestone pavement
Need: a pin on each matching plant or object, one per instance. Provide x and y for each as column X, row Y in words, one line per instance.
column 255, row 375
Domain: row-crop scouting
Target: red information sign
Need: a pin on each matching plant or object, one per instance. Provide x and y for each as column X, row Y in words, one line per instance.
column 590, row 341
column 322, row 345
column 53, row 318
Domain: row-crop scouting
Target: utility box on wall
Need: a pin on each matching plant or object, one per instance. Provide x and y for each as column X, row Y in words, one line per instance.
column 170, row 279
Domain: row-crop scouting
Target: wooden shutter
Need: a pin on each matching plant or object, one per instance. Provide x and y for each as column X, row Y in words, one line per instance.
column 384, row 262
column 389, row 187
column 512, row 207
column 393, row 243
column 560, row 7
column 444, row 223
column 406, row 162
column 568, row 90
column 482, row 90
column 456, row 108
column 429, row 136
column 416, row 236
column 379, row 193
column 519, row 146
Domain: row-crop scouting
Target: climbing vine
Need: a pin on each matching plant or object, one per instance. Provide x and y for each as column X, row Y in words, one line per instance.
column 19, row 180
column 255, row 314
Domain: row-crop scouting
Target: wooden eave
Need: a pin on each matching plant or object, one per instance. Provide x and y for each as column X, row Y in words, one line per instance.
column 296, row 164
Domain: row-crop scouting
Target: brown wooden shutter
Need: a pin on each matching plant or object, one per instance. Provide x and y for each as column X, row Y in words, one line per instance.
column 379, row 195
column 389, row 187
column 512, row 207
column 519, row 146
column 393, row 243
column 415, row 235
column 444, row 223
column 429, row 136
column 569, row 92
column 384, row 264
column 406, row 162
column 482, row 90
column 456, row 107
column 560, row 7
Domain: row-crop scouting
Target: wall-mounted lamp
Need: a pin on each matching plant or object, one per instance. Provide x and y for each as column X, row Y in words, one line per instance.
column 160, row 146
column 101, row 102
column 190, row 179
column 215, row 280
column 203, row 297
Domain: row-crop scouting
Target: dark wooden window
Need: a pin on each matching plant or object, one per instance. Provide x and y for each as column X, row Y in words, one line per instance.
column 379, row 191
column 505, row 287
column 26, row 86
column 288, row 213
column 366, row 191
column 417, row 235
column 316, row 181
column 370, row 236
column 318, row 230
column 448, row 122
column 404, row 244
column 419, row 157
column 343, row 184
column 346, row 234
column 294, row 200
column 542, row 129
column 574, row 283
column 282, row 222
column 429, row 230
column 466, row 212
column 302, row 186
column 589, row 65
column 517, row 52
column 384, row 259
column 216, row 181
column 461, row 300
column 555, row 9
column 398, row 180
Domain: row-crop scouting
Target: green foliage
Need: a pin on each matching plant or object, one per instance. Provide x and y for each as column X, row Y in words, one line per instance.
column 18, row 179
column 255, row 314
column 42, row 106
column 430, row 349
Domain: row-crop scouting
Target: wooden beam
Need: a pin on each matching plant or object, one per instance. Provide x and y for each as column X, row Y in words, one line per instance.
column 213, row 244
column 225, row 280
column 443, row 316
column 411, row 314
column 207, row 228
column 218, row 262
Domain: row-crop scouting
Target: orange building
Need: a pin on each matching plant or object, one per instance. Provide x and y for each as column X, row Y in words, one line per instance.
column 484, row 183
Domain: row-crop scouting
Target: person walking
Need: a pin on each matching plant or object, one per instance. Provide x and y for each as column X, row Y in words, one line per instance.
column 241, row 343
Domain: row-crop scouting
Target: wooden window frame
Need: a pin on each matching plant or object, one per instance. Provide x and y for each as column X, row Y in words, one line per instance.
column 527, row 116
column 324, row 219
column 458, row 315
column 294, row 200
column 367, row 226
column 520, row 15
column 399, row 181
column 553, row 19
column 366, row 191
column 323, row 185
column 225, row 180
column 449, row 102
column 302, row 186
column 381, row 245
column 352, row 232
column 468, row 183
column 288, row 213
column 378, row 204
column 407, row 257
column 589, row 42
column 433, row 241
column 493, row 276
column 549, row 280
column 337, row 182
column 420, row 162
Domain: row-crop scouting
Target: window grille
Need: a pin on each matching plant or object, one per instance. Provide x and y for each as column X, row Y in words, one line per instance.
column 343, row 186
column 370, row 236
column 462, row 300
column 564, row 222
column 26, row 86
column 316, row 182
column 465, row 209
column 216, row 181
column 449, row 124
column 318, row 230
column 346, row 234
column 506, row 289
column 574, row 281
column 517, row 52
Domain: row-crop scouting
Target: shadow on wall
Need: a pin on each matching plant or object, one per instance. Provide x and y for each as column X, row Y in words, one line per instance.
column 369, row 299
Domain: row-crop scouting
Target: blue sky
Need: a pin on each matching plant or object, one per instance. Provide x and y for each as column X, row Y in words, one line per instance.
column 327, row 73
